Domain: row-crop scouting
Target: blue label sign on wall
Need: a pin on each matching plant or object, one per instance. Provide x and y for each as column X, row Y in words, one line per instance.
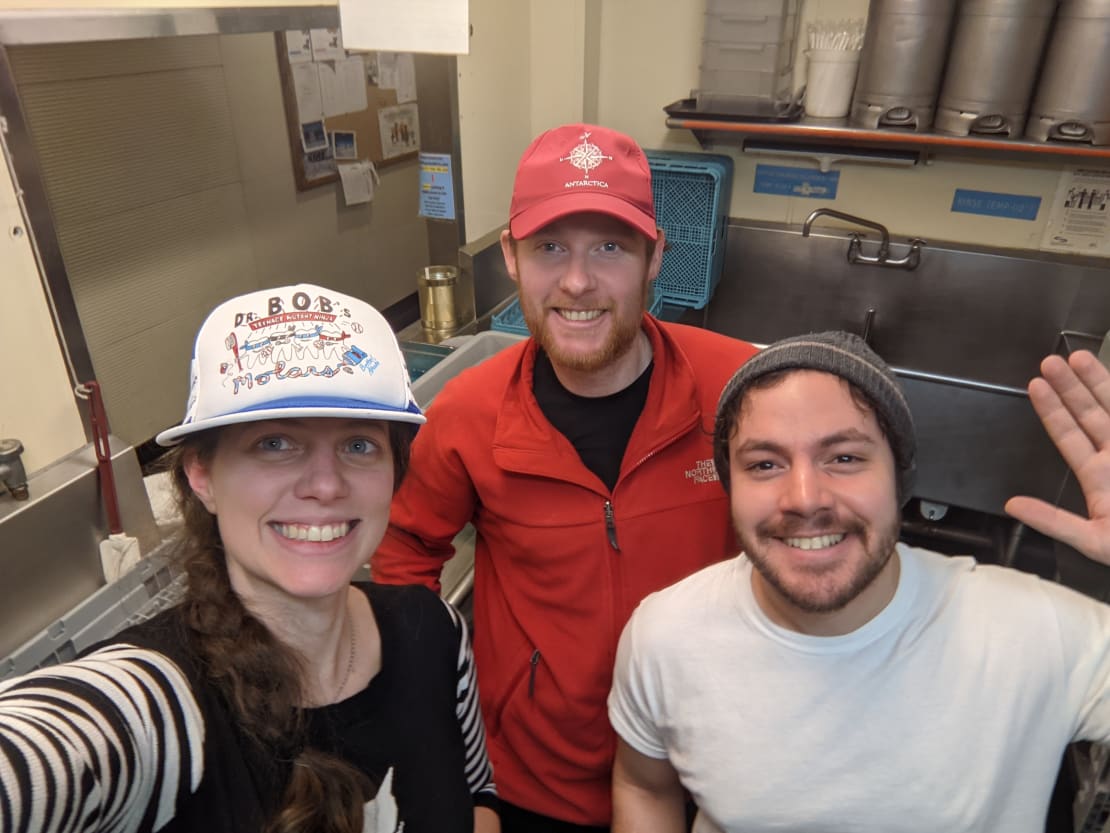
column 795, row 182
column 1013, row 206
column 437, row 190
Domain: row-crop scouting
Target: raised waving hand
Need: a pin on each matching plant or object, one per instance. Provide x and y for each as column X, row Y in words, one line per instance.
column 1072, row 398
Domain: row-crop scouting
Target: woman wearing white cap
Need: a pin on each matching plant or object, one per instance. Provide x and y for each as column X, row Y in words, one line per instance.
column 277, row 695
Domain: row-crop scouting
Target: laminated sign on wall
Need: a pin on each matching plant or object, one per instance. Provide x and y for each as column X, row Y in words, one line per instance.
column 1080, row 218
column 341, row 107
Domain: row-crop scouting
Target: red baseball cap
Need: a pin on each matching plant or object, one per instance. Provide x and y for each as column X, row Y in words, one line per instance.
column 577, row 168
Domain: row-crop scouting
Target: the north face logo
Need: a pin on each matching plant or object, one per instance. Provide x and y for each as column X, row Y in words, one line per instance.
column 586, row 156
column 703, row 472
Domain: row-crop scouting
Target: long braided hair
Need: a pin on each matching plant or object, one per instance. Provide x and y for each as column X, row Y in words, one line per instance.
column 262, row 678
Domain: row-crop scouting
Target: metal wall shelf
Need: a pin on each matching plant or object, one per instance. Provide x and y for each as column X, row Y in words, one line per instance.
column 814, row 137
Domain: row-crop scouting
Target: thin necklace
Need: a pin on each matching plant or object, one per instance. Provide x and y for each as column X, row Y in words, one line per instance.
column 350, row 667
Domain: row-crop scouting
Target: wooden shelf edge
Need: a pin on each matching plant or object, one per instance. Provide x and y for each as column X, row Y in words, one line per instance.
column 723, row 130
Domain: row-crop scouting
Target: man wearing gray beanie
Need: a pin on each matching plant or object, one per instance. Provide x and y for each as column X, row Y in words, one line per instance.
column 830, row 678
column 840, row 354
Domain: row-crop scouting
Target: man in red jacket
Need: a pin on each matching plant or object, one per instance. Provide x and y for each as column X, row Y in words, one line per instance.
column 583, row 458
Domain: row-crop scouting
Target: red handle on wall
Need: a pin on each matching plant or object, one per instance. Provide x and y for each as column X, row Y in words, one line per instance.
column 99, row 420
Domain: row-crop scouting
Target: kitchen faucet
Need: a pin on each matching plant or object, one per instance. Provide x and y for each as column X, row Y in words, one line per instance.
column 855, row 246
column 12, row 474
column 884, row 245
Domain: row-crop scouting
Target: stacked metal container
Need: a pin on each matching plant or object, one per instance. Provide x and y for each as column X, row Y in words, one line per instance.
column 748, row 57
column 901, row 63
column 1072, row 103
column 992, row 66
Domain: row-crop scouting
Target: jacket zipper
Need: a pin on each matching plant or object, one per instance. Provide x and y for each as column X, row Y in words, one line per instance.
column 532, row 673
column 611, row 526
column 659, row 446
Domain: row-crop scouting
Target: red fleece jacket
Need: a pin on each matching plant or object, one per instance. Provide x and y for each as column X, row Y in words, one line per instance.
column 560, row 563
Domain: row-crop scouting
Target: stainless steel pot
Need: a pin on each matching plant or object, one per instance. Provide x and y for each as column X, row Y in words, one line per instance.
column 901, row 63
column 1072, row 103
column 992, row 65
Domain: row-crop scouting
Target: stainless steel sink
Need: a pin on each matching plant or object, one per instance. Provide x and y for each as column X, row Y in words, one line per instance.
column 966, row 330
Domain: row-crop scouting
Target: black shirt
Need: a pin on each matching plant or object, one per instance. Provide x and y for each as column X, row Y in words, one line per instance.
column 598, row 427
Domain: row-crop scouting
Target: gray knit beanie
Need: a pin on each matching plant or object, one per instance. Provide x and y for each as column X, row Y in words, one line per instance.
column 842, row 354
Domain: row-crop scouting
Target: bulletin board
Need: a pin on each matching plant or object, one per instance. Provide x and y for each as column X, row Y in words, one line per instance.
column 343, row 125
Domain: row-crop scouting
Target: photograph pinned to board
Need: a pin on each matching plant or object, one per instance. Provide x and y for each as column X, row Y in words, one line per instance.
column 344, row 145
column 314, row 136
column 298, row 45
column 327, row 45
column 400, row 129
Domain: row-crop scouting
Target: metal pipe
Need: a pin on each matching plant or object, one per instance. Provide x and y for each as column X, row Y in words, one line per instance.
column 958, row 382
column 868, row 323
column 1013, row 544
column 959, row 536
column 884, row 244
column 457, row 594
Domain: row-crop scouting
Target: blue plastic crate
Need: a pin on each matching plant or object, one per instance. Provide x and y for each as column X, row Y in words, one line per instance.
column 511, row 319
column 692, row 193
column 420, row 358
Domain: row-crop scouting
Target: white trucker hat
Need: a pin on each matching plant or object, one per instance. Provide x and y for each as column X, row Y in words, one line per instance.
column 294, row 352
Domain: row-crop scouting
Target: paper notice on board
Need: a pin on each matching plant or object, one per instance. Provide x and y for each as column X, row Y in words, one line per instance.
column 319, row 164
column 343, row 86
column 437, row 26
column 397, row 71
column 306, row 89
column 330, row 95
column 350, row 75
column 298, row 46
column 1080, row 218
column 400, row 129
column 327, row 44
column 358, row 182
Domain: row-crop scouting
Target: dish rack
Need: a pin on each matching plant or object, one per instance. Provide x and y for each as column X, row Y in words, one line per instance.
column 692, row 193
column 153, row 585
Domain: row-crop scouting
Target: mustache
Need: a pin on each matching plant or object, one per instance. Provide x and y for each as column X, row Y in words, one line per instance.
column 821, row 523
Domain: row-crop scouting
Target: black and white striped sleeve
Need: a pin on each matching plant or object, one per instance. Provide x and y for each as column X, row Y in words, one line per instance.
column 479, row 773
column 108, row 742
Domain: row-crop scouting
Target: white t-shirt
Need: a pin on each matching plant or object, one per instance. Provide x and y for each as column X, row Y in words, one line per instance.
column 947, row 712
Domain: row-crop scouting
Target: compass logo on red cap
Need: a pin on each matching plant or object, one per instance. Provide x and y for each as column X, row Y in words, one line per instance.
column 585, row 156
